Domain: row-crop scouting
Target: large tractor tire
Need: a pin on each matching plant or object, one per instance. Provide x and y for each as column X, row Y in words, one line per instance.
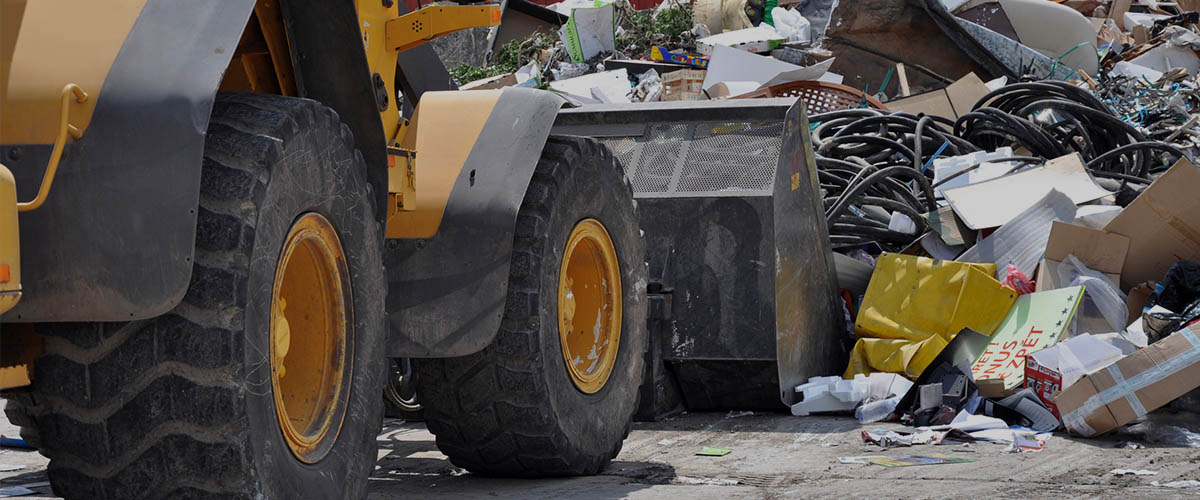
column 265, row 381
column 555, row 392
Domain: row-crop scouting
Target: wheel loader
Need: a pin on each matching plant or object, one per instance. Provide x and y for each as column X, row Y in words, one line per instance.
column 220, row 223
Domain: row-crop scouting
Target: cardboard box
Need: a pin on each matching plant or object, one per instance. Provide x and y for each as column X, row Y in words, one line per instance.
column 1133, row 386
column 1051, row 369
column 684, row 85
column 1096, row 249
column 663, row 55
column 1163, row 225
column 1139, row 296
column 1045, row 381
column 956, row 99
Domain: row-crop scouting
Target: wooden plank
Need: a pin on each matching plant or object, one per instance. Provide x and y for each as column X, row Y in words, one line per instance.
column 903, row 78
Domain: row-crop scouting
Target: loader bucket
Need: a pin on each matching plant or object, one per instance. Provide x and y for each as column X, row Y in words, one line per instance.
column 744, row 298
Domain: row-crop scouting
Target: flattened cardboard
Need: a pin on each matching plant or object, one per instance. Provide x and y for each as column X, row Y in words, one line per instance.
column 943, row 222
column 957, row 98
column 996, row 202
column 1022, row 241
column 1163, row 225
column 1133, row 386
column 1100, row 251
column 936, row 103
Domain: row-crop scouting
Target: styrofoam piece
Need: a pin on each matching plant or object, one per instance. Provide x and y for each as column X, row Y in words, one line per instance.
column 886, row 385
column 830, row 394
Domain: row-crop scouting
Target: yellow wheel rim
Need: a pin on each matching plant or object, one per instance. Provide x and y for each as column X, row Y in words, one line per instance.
column 311, row 309
column 589, row 306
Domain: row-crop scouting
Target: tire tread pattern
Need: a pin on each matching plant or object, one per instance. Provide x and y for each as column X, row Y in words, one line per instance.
column 489, row 410
column 156, row 408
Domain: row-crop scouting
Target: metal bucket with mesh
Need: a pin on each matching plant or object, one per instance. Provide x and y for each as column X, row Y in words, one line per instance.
column 738, row 254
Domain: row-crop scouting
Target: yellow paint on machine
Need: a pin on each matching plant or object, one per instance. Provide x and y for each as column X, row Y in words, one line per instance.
column 373, row 16
column 45, row 45
column 446, row 126
column 10, row 245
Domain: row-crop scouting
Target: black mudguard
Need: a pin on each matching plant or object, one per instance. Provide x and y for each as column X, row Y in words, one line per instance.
column 114, row 240
column 446, row 293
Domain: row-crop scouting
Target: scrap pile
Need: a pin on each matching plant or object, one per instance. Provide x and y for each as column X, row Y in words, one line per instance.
column 1108, row 331
column 607, row 51
column 1033, row 257
column 877, row 166
column 1017, row 255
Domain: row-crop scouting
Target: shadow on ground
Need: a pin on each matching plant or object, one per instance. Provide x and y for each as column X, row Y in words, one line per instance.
column 410, row 462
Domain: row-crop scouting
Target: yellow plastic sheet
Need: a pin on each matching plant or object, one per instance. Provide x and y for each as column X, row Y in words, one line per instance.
column 894, row 356
column 915, row 305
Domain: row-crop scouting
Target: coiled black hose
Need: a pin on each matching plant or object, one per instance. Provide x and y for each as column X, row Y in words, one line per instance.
column 877, row 161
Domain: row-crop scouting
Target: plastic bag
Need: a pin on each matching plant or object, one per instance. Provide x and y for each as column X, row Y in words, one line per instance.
column 567, row 70
column 1173, row 435
column 1017, row 280
column 791, row 24
column 649, row 87
column 1181, row 286
column 721, row 15
column 1101, row 293
column 876, row 410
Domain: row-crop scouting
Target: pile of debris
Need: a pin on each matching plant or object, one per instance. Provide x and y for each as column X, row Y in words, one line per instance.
column 606, row 52
column 1033, row 257
column 1022, row 258
column 1018, row 252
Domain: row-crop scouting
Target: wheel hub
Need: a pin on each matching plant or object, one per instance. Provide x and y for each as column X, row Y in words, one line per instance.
column 589, row 305
column 311, row 337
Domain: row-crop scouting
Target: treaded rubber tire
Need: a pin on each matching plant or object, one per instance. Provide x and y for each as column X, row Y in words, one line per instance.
column 512, row 409
column 181, row 406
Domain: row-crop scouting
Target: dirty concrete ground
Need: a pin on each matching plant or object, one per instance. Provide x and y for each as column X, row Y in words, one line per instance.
column 774, row 456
